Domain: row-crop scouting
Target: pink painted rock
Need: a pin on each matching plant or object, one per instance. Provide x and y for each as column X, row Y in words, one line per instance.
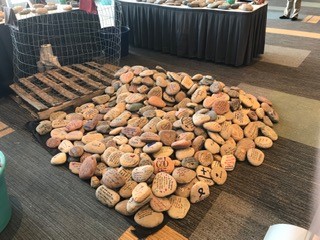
column 73, row 125
column 88, row 167
column 53, row 142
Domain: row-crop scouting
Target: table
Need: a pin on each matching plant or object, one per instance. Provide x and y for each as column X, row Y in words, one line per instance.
column 6, row 69
column 223, row 36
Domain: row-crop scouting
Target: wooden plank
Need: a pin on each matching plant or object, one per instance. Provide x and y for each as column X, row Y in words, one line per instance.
column 53, row 101
column 75, row 103
column 166, row 233
column 84, row 78
column 98, row 75
column 109, row 72
column 6, row 132
column 2, row 126
column 111, row 67
column 27, row 97
column 68, row 82
column 25, row 105
column 55, row 86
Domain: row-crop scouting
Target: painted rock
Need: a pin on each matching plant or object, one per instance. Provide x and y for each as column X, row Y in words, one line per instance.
column 129, row 160
column 183, row 190
column 94, row 182
column 263, row 142
column 167, row 137
column 53, row 142
column 126, row 190
column 133, row 206
column 199, row 192
column 136, row 142
column 212, row 126
column 44, row 127
column 95, row 147
column 148, row 218
column 255, row 156
column 76, row 151
column 152, row 147
column 74, row 136
column 57, row 115
column 141, row 192
column 142, row 173
column 204, row 175
column 59, row 159
column 163, row 152
column 88, row 167
column 113, row 179
column 204, row 157
column 228, row 162
column 184, row 153
column 190, row 162
column 163, row 164
column 113, row 160
column 160, row 204
column 219, row 175
column 74, row 167
column 89, row 137
column 183, row 175
column 65, row 146
column 179, row 207
column 211, row 146
column 163, row 184
column 121, row 207
column 107, row 196
column 269, row 132
column 156, row 101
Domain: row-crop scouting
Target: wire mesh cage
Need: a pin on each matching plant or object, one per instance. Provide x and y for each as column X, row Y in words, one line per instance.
column 71, row 37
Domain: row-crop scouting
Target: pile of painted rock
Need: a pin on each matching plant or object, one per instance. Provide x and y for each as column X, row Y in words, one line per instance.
column 157, row 140
column 224, row 5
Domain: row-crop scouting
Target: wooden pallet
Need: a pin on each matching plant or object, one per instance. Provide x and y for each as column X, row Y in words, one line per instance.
column 44, row 93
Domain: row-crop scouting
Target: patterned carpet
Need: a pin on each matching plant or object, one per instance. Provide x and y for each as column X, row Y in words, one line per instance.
column 50, row 203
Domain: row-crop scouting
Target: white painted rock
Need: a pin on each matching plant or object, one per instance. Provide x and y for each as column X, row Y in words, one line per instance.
column 228, row 162
column 199, row 192
column 179, row 207
column 95, row 147
column 126, row 190
column 59, row 159
column 107, row 196
column 143, row 173
column 160, row 204
column 183, row 175
column 113, row 179
column 204, row 175
column 141, row 192
column 163, row 184
column 148, row 218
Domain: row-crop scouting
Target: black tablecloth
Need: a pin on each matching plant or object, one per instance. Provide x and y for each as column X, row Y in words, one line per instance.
column 6, row 69
column 220, row 36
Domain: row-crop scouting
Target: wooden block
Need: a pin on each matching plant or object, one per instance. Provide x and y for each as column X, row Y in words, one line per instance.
column 6, row 132
column 2, row 126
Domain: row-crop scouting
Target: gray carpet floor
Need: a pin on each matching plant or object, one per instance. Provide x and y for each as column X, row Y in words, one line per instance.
column 50, row 203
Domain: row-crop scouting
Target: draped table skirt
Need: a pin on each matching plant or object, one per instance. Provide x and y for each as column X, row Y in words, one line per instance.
column 229, row 37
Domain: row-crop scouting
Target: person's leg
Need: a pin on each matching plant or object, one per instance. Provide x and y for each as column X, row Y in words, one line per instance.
column 296, row 9
column 287, row 10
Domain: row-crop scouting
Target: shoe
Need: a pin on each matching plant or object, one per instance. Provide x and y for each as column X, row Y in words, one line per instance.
column 284, row 17
column 294, row 19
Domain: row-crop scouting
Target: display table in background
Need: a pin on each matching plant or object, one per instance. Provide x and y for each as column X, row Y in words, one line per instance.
column 6, row 68
column 223, row 36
